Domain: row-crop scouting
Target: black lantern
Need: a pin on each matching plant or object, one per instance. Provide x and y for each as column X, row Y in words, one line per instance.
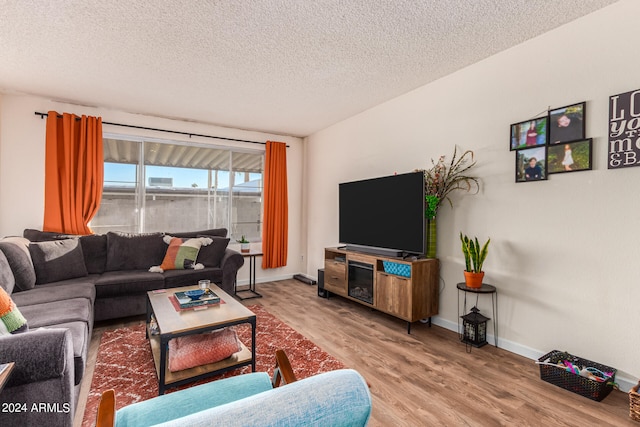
column 474, row 327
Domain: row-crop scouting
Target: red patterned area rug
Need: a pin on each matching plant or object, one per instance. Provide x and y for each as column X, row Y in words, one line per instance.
column 125, row 364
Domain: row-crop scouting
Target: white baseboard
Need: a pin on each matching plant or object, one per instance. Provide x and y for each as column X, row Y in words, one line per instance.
column 624, row 383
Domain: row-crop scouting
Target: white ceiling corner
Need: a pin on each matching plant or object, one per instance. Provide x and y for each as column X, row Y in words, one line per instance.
column 288, row 67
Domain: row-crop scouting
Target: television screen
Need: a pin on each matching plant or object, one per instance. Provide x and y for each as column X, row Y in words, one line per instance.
column 386, row 212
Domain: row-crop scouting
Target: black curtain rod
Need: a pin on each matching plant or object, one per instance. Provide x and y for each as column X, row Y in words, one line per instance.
column 43, row 115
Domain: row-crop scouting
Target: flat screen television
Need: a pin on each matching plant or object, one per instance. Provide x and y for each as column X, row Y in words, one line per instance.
column 383, row 215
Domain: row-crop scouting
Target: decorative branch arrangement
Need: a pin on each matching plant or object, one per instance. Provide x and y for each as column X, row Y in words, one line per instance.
column 442, row 178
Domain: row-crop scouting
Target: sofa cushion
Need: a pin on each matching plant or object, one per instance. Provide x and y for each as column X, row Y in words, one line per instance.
column 177, row 278
column 60, row 291
column 222, row 232
column 16, row 249
column 182, row 253
column 120, row 283
column 134, row 251
column 57, row 260
column 11, row 319
column 94, row 249
column 200, row 349
column 51, row 314
column 7, row 281
column 211, row 255
column 80, row 339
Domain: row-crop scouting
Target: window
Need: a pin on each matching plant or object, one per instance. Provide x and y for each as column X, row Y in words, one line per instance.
column 168, row 186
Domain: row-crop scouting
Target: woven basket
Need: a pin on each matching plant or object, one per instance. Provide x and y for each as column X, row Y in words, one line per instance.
column 634, row 403
column 583, row 386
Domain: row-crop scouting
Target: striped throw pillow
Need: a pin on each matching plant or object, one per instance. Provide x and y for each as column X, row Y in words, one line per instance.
column 11, row 320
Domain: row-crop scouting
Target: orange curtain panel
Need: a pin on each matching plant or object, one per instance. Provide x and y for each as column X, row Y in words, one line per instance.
column 276, row 206
column 74, row 172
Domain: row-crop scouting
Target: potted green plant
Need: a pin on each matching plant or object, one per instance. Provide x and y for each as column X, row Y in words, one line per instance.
column 244, row 245
column 474, row 256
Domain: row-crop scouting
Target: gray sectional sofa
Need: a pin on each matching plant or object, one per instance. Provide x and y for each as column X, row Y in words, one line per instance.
column 61, row 284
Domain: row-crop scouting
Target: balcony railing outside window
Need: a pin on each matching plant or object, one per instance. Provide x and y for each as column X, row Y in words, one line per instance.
column 152, row 186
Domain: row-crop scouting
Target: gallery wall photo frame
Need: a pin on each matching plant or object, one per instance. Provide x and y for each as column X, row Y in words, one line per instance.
column 531, row 164
column 567, row 124
column 530, row 133
column 573, row 156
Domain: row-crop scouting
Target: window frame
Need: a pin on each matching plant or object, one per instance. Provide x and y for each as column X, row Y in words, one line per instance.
column 141, row 190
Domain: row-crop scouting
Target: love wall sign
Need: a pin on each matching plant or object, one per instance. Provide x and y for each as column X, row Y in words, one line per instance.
column 624, row 130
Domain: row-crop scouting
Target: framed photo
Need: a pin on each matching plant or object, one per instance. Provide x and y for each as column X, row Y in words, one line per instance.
column 566, row 124
column 528, row 134
column 531, row 164
column 570, row 157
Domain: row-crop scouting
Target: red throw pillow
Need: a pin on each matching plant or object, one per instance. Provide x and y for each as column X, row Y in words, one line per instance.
column 195, row 350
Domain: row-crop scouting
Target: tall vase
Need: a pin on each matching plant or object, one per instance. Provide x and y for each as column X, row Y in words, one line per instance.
column 431, row 238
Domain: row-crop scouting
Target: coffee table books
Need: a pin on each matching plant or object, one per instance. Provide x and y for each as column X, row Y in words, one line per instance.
column 208, row 298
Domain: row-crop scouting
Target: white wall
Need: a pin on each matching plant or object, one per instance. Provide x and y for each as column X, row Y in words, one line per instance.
column 22, row 144
column 564, row 251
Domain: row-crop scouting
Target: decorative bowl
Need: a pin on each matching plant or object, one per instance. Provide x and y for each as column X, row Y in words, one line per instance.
column 195, row 294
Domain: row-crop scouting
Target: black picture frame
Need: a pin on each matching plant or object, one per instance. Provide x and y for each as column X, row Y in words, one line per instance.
column 523, row 162
column 573, row 156
column 567, row 124
column 520, row 136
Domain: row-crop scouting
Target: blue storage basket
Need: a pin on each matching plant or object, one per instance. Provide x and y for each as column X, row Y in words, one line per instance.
column 396, row 268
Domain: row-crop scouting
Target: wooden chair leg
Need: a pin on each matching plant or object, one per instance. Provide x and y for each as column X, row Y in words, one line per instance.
column 107, row 409
column 283, row 373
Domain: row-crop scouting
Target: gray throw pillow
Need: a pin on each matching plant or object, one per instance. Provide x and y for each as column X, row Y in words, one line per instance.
column 134, row 251
column 7, row 281
column 211, row 255
column 44, row 236
column 94, row 249
column 16, row 249
column 94, row 246
column 57, row 260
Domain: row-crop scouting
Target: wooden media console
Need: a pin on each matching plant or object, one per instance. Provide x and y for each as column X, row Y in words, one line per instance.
column 411, row 294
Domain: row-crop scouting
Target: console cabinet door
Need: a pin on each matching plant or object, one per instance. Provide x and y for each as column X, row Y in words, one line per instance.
column 335, row 277
column 393, row 295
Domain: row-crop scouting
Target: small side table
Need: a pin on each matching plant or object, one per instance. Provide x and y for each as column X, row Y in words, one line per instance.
column 484, row 289
column 251, row 290
column 5, row 372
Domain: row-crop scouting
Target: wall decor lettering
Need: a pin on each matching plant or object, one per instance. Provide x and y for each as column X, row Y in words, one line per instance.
column 624, row 123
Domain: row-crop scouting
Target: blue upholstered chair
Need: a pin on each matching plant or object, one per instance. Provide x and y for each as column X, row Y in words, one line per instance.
column 336, row 398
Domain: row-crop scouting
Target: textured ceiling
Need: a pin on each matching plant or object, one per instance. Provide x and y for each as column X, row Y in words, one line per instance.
column 283, row 66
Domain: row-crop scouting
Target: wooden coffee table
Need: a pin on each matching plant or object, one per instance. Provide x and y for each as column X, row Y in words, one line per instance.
column 174, row 323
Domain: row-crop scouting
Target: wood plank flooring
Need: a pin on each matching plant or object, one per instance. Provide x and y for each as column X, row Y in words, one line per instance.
column 425, row 378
